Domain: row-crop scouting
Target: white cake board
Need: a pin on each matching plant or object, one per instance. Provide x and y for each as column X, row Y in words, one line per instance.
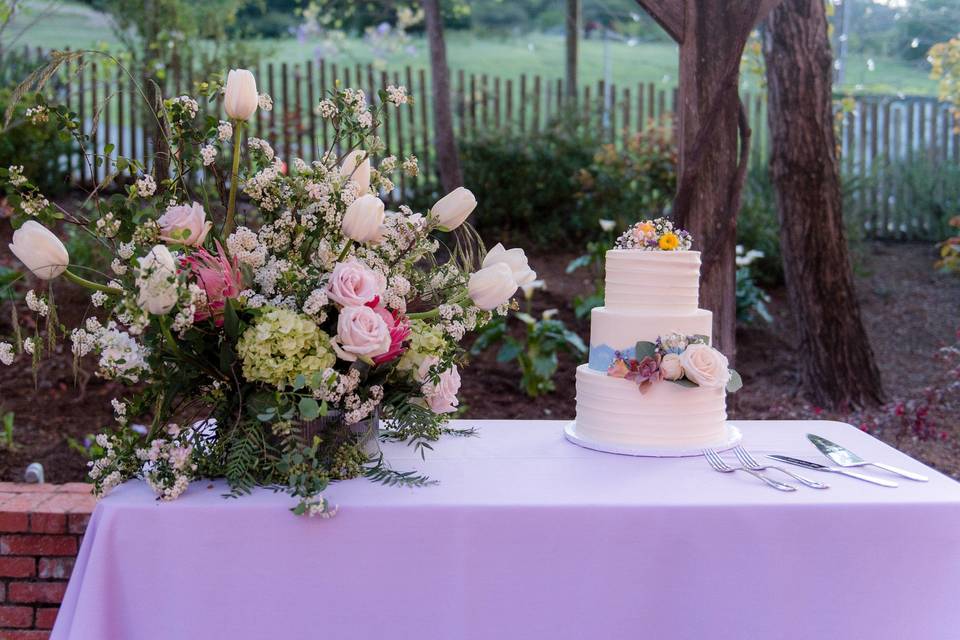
column 733, row 439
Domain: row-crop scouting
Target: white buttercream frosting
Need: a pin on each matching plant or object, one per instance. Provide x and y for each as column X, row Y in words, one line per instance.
column 653, row 281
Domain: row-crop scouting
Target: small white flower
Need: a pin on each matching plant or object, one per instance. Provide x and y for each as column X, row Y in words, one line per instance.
column 265, row 102
column 37, row 304
column 28, row 345
column 146, row 186
column 608, row 225
column 98, row 298
column 6, row 353
column 397, row 95
column 209, row 154
column 16, row 177
column 224, row 131
column 326, row 109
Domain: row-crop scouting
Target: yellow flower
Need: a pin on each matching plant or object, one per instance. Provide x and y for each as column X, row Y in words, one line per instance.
column 669, row 241
column 646, row 227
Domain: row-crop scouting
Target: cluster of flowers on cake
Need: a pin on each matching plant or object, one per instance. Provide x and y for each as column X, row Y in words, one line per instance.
column 654, row 235
column 311, row 300
column 688, row 361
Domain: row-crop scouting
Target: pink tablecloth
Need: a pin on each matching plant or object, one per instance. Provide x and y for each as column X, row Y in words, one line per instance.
column 528, row 536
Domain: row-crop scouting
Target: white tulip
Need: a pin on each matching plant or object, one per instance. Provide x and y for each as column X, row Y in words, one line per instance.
column 157, row 281
column 492, row 286
column 356, row 167
column 363, row 218
column 607, row 225
column 240, row 97
column 516, row 259
column 453, row 209
column 40, row 250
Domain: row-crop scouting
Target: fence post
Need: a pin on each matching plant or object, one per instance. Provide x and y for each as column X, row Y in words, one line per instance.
column 536, row 103
column 424, row 93
column 311, row 112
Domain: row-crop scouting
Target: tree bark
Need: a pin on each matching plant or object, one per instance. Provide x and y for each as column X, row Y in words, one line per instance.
column 573, row 42
column 713, row 140
column 448, row 158
column 837, row 363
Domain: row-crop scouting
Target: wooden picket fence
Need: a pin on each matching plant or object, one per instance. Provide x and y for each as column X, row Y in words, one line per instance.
column 886, row 142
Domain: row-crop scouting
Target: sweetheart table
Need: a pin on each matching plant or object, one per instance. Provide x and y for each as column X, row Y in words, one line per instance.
column 529, row 536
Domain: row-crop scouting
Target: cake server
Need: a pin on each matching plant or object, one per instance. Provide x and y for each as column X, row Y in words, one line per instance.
column 840, row 470
column 845, row 458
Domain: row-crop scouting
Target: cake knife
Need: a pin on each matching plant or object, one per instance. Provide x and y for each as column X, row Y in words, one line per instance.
column 840, row 470
column 845, row 458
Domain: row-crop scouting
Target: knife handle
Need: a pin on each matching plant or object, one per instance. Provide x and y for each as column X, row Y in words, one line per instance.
column 900, row 472
column 865, row 478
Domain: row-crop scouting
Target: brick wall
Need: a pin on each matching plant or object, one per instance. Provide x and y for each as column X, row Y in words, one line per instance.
column 41, row 527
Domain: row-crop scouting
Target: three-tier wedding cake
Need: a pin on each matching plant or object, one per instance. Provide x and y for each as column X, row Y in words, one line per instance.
column 653, row 383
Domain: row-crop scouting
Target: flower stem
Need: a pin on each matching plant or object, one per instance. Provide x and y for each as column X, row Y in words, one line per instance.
column 232, row 202
column 346, row 250
column 83, row 282
column 424, row 315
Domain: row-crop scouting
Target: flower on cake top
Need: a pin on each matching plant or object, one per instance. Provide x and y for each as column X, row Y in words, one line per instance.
column 688, row 361
column 655, row 235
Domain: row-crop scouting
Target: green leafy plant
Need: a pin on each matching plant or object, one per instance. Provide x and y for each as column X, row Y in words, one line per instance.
column 6, row 435
column 537, row 351
column 594, row 260
column 751, row 299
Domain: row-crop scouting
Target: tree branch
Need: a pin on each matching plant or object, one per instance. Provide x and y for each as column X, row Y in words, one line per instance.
column 669, row 14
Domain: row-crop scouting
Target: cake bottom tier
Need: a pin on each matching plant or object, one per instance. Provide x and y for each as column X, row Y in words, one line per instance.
column 613, row 410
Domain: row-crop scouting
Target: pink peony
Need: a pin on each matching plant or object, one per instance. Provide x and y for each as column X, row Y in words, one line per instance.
column 219, row 277
column 399, row 328
column 354, row 284
column 361, row 331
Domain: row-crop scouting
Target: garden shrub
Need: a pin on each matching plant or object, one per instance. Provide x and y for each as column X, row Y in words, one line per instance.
column 38, row 147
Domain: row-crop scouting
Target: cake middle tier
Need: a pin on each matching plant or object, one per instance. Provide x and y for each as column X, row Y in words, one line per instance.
column 613, row 330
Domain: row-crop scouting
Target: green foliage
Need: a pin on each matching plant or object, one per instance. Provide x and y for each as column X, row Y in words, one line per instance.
column 758, row 227
column 536, row 352
column 6, row 435
column 595, row 260
column 751, row 299
column 949, row 261
column 39, row 148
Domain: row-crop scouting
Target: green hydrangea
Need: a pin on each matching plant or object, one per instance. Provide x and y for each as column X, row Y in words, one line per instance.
column 425, row 340
column 280, row 345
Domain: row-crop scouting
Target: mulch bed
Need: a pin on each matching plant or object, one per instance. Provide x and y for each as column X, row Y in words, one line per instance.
column 910, row 312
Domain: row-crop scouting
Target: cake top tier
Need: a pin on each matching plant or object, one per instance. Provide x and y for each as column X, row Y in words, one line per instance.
column 653, row 281
column 654, row 235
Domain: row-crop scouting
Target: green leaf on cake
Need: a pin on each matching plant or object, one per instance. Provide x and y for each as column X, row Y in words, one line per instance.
column 683, row 382
column 735, row 382
column 645, row 350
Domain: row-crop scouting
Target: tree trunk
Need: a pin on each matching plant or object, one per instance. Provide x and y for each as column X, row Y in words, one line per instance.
column 837, row 363
column 449, row 161
column 573, row 42
column 713, row 140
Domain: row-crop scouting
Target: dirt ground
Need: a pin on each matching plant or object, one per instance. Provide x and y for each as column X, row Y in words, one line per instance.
column 910, row 312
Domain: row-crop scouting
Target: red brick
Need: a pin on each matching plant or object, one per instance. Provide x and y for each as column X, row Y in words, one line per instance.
column 33, row 545
column 46, row 617
column 24, row 635
column 17, row 567
column 25, row 502
column 3, row 593
column 55, row 568
column 51, row 592
column 13, row 521
column 16, row 617
column 23, row 487
column 75, row 487
column 77, row 523
column 48, row 522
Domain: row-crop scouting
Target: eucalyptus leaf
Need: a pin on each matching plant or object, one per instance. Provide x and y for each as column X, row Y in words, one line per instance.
column 683, row 382
column 645, row 350
column 309, row 409
column 735, row 383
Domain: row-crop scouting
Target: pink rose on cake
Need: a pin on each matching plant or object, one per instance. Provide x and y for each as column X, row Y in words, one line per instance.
column 354, row 284
column 361, row 332
column 705, row 366
column 670, row 367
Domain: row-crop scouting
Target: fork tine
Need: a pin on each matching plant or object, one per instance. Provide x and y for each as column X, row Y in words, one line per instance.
column 710, row 456
column 743, row 457
column 748, row 457
column 715, row 460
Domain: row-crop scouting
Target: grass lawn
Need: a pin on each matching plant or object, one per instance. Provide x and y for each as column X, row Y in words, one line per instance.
column 78, row 26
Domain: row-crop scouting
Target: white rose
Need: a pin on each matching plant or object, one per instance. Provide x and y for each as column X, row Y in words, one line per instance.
column 40, row 250
column 441, row 396
column 516, row 259
column 157, row 281
column 185, row 217
column 361, row 332
column 705, row 366
column 670, row 367
column 453, row 209
column 356, row 167
column 240, row 96
column 492, row 286
column 363, row 218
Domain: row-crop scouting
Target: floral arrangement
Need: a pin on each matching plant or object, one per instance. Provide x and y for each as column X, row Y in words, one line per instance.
column 239, row 324
column 688, row 361
column 654, row 235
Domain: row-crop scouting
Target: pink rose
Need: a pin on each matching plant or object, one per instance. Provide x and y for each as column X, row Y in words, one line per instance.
column 705, row 366
column 441, row 396
column 361, row 331
column 189, row 218
column 353, row 284
column 399, row 328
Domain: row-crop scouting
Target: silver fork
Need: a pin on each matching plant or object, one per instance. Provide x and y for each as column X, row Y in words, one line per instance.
column 719, row 465
column 749, row 462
